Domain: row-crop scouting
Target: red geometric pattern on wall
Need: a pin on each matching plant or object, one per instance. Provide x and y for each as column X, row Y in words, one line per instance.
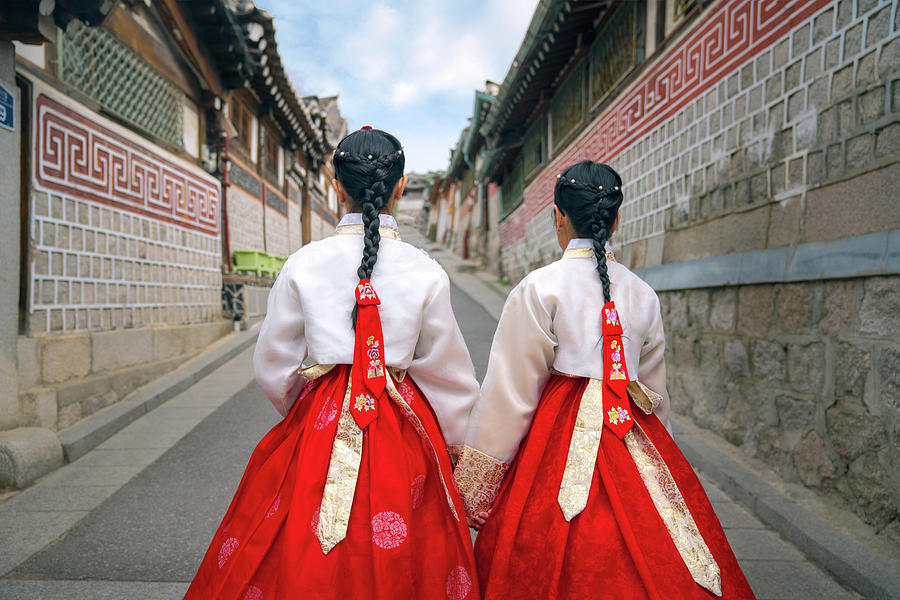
column 76, row 156
column 721, row 42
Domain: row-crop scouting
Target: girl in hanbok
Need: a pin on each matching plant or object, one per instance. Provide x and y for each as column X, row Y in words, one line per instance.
column 352, row 494
column 570, row 441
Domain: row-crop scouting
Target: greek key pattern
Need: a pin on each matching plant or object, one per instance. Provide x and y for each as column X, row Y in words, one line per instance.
column 722, row 41
column 78, row 157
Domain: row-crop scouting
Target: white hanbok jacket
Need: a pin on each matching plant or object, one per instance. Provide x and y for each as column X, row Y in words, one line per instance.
column 309, row 317
column 551, row 322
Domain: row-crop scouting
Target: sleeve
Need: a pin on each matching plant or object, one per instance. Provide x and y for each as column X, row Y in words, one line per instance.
column 519, row 367
column 652, row 365
column 441, row 365
column 281, row 346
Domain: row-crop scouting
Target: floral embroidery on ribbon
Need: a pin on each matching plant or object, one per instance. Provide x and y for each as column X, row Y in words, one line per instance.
column 366, row 292
column 617, row 415
column 388, row 530
column 373, row 352
column 616, row 370
column 364, row 402
column 612, row 316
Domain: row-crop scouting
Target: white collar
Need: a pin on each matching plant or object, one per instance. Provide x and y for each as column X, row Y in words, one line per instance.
column 356, row 219
column 586, row 243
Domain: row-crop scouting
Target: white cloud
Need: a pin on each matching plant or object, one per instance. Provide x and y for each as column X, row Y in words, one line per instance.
column 409, row 67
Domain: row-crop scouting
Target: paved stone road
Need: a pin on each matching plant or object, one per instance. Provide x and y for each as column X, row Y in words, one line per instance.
column 132, row 518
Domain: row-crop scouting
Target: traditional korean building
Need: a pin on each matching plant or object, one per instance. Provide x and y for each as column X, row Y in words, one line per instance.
column 150, row 142
column 759, row 144
column 475, row 234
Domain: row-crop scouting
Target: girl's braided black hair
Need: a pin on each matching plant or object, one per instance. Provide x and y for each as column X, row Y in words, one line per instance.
column 368, row 163
column 590, row 194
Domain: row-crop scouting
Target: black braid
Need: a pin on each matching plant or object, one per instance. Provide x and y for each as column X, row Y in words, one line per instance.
column 374, row 199
column 591, row 194
column 369, row 163
column 599, row 235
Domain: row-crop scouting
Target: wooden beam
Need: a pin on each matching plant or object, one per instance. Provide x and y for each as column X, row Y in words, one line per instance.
column 173, row 16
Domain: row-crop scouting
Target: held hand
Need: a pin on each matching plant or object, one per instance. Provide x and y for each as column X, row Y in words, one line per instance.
column 479, row 520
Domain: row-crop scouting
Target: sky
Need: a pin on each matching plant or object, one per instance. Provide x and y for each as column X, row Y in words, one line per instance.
column 410, row 67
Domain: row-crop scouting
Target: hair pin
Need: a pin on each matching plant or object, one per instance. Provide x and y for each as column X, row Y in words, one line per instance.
column 342, row 152
column 399, row 152
column 601, row 187
column 573, row 181
column 370, row 157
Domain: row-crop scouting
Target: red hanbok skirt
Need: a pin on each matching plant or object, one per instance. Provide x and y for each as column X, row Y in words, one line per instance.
column 402, row 539
column 618, row 546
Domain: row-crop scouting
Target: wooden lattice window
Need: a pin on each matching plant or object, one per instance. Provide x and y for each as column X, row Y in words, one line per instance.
column 243, row 121
column 534, row 146
column 618, row 48
column 513, row 187
column 98, row 65
column 270, row 145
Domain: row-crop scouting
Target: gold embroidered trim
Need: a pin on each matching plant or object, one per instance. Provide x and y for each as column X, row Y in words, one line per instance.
column 673, row 510
column 478, row 477
column 386, row 232
column 340, row 483
column 586, row 253
column 314, row 371
column 579, row 471
column 646, row 399
column 413, row 418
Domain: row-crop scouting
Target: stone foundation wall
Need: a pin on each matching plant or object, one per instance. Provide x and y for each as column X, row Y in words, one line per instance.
column 803, row 376
column 65, row 378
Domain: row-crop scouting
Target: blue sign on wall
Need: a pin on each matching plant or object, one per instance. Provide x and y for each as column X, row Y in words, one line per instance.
column 7, row 109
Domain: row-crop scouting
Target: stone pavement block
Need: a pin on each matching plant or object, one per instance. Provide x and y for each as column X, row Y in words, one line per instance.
column 24, row 533
column 78, row 476
column 791, row 580
column 168, row 413
column 732, row 516
column 90, row 590
column 195, row 401
column 760, row 544
column 60, row 498
column 120, row 457
column 155, row 425
column 133, row 440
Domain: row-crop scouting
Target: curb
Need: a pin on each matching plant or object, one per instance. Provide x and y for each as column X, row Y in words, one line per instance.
column 851, row 563
column 88, row 434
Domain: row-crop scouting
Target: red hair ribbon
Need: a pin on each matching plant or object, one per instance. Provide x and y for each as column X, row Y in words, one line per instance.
column 365, row 127
column 616, row 409
column 368, row 371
